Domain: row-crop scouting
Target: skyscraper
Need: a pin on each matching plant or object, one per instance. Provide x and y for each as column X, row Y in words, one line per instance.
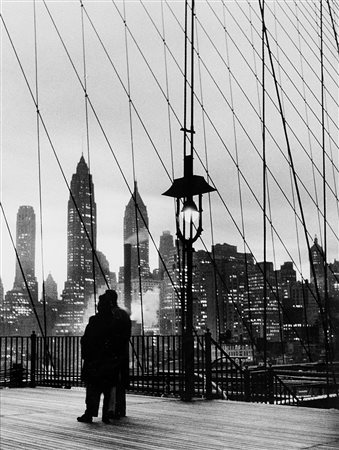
column 81, row 243
column 17, row 311
column 317, row 266
column 256, row 314
column 25, row 246
column 81, row 226
column 232, row 269
column 51, row 289
column 169, row 274
column 166, row 249
column 136, row 234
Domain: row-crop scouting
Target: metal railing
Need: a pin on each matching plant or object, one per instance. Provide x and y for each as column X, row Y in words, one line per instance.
column 155, row 368
column 15, row 360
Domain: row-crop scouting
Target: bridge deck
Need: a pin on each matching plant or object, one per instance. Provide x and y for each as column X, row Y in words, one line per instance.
column 43, row 418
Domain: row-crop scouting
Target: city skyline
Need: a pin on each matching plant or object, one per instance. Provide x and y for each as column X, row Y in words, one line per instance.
column 166, row 233
column 228, row 286
column 62, row 106
column 126, row 236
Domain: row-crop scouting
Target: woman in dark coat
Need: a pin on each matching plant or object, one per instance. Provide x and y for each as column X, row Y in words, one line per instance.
column 103, row 348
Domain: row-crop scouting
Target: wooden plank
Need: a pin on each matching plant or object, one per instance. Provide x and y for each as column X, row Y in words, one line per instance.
column 45, row 418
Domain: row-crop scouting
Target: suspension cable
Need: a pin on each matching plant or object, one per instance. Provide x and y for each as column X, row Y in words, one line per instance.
column 333, row 25
column 326, row 303
column 169, row 115
column 50, row 140
column 135, row 200
column 216, row 294
column 238, row 170
column 292, row 103
column 39, row 167
column 22, row 273
column 251, row 140
column 294, row 177
column 88, row 155
column 307, row 119
column 264, row 177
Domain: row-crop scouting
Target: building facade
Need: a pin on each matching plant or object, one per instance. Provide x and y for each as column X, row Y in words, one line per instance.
column 87, row 268
column 25, row 246
column 136, row 234
column 17, row 306
column 169, row 276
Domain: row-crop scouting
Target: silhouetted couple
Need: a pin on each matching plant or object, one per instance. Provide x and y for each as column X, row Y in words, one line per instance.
column 104, row 350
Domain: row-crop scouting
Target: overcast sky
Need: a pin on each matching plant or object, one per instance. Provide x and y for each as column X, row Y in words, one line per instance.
column 227, row 78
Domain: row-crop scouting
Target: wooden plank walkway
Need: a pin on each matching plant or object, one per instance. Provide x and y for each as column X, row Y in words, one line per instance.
column 43, row 418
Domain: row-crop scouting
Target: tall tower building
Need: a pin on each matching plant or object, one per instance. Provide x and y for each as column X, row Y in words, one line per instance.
column 256, row 313
column 51, row 288
column 17, row 311
column 317, row 258
column 25, row 246
column 81, row 233
column 169, row 274
column 79, row 249
column 136, row 234
column 166, row 249
column 232, row 269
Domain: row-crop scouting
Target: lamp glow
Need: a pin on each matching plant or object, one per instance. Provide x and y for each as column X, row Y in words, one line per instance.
column 190, row 211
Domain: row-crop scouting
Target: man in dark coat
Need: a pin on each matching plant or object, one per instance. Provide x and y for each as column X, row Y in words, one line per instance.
column 104, row 348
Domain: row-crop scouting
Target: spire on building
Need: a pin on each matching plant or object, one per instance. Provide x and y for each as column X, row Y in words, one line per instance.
column 51, row 288
column 81, row 242
column 136, row 234
column 317, row 264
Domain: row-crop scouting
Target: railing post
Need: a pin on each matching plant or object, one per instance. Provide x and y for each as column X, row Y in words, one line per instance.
column 208, row 364
column 247, row 384
column 270, row 384
column 33, row 360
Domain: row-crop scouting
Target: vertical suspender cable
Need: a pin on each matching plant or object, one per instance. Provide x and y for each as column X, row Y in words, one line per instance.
column 217, row 316
column 307, row 121
column 174, row 324
column 185, row 77
column 264, row 180
column 136, row 209
column 184, row 129
column 39, row 166
column 309, row 139
column 291, row 161
column 239, row 187
column 88, row 157
column 280, row 318
column 326, row 311
column 192, row 79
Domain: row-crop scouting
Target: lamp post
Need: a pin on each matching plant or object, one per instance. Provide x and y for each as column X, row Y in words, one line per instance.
column 188, row 229
column 188, row 213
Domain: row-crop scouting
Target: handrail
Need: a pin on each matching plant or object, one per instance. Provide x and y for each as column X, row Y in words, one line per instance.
column 156, row 368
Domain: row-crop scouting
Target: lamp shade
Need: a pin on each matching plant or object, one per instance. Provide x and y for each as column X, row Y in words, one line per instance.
column 188, row 187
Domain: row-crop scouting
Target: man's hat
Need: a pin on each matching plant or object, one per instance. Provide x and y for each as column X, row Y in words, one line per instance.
column 112, row 295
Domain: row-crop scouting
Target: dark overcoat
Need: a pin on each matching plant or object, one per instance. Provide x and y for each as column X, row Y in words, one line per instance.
column 104, row 348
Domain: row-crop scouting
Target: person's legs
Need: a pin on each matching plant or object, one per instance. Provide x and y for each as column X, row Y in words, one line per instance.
column 92, row 401
column 121, row 400
column 93, row 393
column 108, row 404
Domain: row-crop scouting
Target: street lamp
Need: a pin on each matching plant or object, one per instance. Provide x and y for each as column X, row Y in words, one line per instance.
column 188, row 228
column 188, row 192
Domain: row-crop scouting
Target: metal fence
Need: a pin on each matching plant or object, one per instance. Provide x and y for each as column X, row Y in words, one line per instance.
column 155, row 368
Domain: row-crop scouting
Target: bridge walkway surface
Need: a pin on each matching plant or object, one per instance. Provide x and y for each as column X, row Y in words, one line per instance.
column 45, row 418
